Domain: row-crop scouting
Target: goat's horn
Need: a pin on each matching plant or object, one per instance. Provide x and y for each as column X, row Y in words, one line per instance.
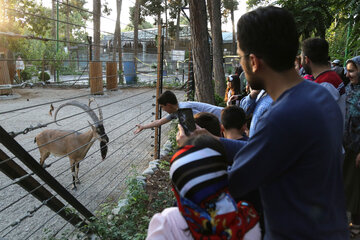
column 84, row 107
column 98, row 107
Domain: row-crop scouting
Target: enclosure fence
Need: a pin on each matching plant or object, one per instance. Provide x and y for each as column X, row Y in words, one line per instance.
column 38, row 200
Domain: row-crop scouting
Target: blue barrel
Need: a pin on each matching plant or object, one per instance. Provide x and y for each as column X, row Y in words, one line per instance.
column 129, row 72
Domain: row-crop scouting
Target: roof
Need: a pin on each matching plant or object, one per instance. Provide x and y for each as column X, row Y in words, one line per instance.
column 150, row 34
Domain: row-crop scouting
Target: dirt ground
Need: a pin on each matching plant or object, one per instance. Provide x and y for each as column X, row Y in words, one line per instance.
column 101, row 181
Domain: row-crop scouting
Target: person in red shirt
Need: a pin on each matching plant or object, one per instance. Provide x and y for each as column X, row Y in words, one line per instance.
column 315, row 61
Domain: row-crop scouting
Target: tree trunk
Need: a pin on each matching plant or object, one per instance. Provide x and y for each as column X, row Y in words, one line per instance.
column 136, row 30
column 166, row 24
column 53, row 31
column 201, row 52
column 117, row 41
column 116, row 33
column 234, row 46
column 67, row 31
column 177, row 34
column 97, row 14
column 217, row 44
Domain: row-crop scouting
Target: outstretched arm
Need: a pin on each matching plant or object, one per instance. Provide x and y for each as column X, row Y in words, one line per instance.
column 155, row 123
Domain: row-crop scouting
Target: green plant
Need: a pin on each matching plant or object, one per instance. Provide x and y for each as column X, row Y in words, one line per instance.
column 230, row 70
column 28, row 72
column 172, row 135
column 44, row 76
column 68, row 70
column 219, row 101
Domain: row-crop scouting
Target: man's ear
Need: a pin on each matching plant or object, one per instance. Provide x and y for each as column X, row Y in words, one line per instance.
column 307, row 59
column 254, row 62
column 222, row 129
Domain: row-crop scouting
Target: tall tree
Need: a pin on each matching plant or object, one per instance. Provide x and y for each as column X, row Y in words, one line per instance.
column 96, row 19
column 117, row 38
column 53, row 31
column 217, row 44
column 67, row 32
column 201, row 52
column 232, row 5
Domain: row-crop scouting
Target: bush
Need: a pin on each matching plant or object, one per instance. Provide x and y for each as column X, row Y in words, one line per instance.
column 25, row 75
column 44, row 76
column 28, row 72
column 219, row 101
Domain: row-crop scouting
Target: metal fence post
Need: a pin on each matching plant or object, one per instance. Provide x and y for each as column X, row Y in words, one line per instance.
column 159, row 85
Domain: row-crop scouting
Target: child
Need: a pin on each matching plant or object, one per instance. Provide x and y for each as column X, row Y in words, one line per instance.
column 205, row 208
column 233, row 123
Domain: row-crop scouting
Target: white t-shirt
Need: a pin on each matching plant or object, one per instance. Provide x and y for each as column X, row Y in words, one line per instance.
column 20, row 65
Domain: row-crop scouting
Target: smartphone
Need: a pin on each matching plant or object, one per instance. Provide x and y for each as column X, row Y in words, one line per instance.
column 186, row 120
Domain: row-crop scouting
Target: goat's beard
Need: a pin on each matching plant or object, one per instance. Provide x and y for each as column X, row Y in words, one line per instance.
column 104, row 149
column 103, row 142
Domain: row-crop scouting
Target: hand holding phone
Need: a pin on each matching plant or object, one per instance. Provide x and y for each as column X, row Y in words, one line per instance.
column 186, row 120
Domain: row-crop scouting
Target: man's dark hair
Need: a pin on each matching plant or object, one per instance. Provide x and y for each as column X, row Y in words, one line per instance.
column 233, row 117
column 208, row 121
column 317, row 50
column 167, row 97
column 269, row 33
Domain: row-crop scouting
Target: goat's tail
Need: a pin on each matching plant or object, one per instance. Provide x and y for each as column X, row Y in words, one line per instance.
column 35, row 140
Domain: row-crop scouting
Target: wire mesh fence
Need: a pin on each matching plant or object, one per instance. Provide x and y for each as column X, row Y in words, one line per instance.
column 49, row 44
column 25, row 217
column 66, row 59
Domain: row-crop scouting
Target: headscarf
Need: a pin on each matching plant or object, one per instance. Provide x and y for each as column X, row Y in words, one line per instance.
column 352, row 118
column 200, row 184
column 356, row 61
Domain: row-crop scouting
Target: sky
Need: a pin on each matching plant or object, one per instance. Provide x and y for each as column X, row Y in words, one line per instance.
column 108, row 25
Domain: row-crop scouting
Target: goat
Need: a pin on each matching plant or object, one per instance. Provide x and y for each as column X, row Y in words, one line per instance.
column 75, row 144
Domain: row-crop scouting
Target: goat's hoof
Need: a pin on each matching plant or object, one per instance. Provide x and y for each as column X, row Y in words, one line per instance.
column 74, row 188
column 78, row 182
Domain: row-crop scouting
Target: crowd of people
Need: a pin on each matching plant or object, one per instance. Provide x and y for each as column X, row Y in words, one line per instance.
column 282, row 162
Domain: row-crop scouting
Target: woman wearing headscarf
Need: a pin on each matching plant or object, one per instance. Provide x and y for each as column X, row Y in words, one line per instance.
column 352, row 144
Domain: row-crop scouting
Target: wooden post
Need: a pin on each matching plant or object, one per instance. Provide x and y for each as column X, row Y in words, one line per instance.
column 111, row 76
column 158, row 90
column 4, row 78
column 96, row 83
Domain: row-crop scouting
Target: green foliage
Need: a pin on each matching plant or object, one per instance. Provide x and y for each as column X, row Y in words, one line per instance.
column 68, row 70
column 144, row 25
column 105, row 8
column 172, row 135
column 133, row 219
column 219, row 101
column 255, row 3
column 152, row 7
column 44, row 76
column 28, row 72
column 230, row 4
column 331, row 20
column 184, row 21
